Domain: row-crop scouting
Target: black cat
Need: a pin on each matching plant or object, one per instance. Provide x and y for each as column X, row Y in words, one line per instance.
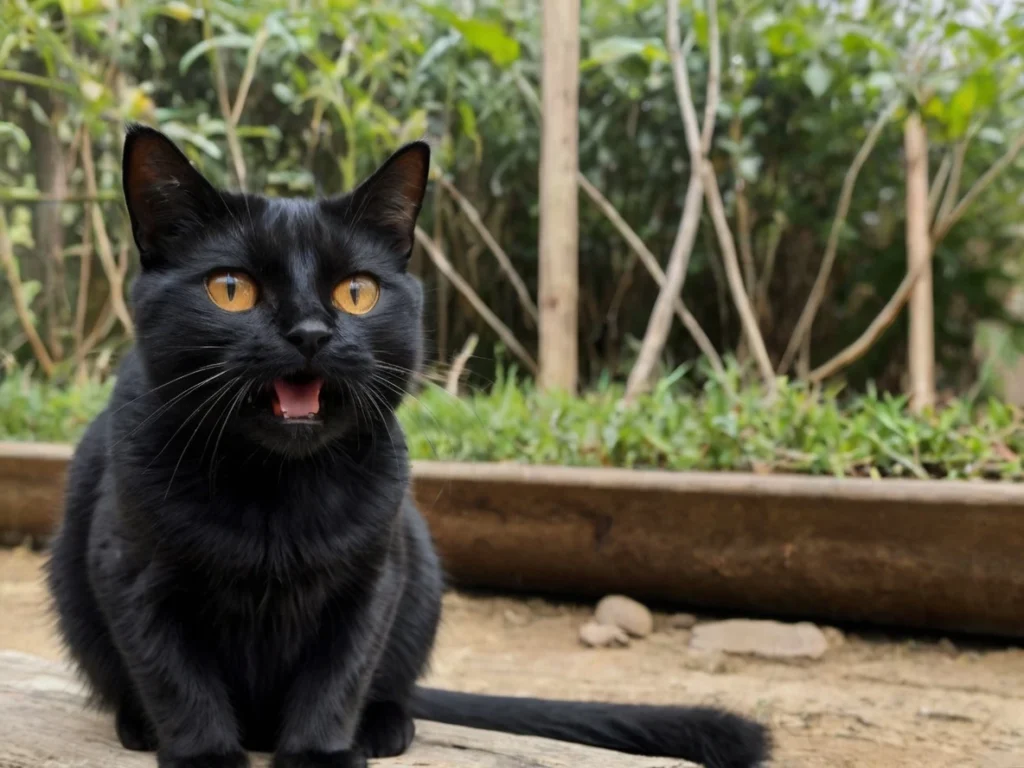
column 240, row 566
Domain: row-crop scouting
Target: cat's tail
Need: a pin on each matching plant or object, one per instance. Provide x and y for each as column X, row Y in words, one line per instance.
column 711, row 737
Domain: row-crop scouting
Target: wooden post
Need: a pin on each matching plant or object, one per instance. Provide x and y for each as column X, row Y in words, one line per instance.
column 921, row 352
column 558, row 287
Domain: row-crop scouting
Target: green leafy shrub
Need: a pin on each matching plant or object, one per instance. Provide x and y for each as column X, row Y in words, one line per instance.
column 44, row 411
column 718, row 426
column 336, row 84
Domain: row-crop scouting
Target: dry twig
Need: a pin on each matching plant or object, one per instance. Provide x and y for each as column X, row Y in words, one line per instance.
column 459, row 365
column 810, row 310
column 21, row 309
column 445, row 267
column 473, row 216
column 115, row 275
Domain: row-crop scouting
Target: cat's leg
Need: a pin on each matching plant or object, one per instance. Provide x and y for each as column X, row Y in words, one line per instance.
column 329, row 692
column 134, row 729
column 87, row 636
column 386, row 728
column 178, row 682
column 74, row 556
column 81, row 623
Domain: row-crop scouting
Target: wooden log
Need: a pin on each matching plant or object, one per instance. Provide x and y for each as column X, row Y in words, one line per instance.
column 46, row 724
column 928, row 554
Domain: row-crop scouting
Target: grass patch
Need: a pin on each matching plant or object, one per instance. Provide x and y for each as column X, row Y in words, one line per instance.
column 717, row 426
column 720, row 426
column 36, row 410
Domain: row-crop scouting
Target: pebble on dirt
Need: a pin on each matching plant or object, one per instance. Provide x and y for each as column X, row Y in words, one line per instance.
column 768, row 639
column 597, row 635
column 624, row 613
column 682, row 621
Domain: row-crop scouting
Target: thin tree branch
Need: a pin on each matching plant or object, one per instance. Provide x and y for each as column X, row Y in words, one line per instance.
column 953, row 187
column 21, row 309
column 659, row 324
column 104, row 324
column 803, row 360
column 735, row 278
column 764, row 281
column 947, row 222
column 746, row 244
column 883, row 320
column 651, row 263
column 48, row 83
column 711, row 191
column 681, row 79
column 473, row 216
column 810, row 310
column 707, row 134
column 939, row 183
column 84, row 279
column 115, row 276
column 445, row 267
column 31, row 197
column 459, row 365
column 224, row 100
column 251, row 61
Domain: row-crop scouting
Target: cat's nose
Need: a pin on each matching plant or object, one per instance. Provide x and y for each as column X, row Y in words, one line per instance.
column 309, row 337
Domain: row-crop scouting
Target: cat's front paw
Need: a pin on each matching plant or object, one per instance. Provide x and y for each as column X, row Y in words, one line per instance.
column 386, row 730
column 219, row 760
column 133, row 728
column 310, row 759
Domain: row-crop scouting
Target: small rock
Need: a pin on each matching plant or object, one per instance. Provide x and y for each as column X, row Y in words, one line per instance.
column 768, row 639
column 834, row 637
column 625, row 613
column 714, row 663
column 948, row 646
column 597, row 635
column 681, row 621
column 516, row 619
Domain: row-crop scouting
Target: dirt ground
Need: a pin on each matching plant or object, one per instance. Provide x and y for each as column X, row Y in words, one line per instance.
column 871, row 702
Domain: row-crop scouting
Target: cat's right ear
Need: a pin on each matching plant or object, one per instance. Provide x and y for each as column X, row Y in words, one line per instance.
column 166, row 196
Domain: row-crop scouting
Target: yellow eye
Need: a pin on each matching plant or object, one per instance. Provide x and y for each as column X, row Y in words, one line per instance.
column 356, row 295
column 232, row 291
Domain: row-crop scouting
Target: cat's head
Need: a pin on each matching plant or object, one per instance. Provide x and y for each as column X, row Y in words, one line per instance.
column 291, row 322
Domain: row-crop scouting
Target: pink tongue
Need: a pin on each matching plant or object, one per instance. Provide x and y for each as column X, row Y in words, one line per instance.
column 298, row 400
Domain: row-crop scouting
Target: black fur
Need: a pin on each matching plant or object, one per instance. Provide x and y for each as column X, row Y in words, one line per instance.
column 227, row 581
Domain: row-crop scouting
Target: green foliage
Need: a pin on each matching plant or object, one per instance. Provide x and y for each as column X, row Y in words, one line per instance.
column 336, row 84
column 48, row 412
column 714, row 428
column 719, row 425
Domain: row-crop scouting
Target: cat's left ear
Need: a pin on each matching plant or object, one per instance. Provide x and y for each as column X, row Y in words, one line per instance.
column 389, row 202
column 166, row 196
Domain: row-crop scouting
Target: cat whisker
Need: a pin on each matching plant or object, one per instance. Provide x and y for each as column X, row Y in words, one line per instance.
column 373, row 396
column 385, row 382
column 218, row 395
column 242, row 393
column 170, row 404
column 167, row 384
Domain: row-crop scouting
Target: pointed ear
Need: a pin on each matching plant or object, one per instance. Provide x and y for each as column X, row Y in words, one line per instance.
column 166, row 196
column 390, row 200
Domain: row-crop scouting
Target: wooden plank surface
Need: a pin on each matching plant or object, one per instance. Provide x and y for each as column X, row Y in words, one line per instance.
column 44, row 723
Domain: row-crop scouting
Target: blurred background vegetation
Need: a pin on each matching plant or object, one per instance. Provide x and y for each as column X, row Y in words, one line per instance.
column 290, row 98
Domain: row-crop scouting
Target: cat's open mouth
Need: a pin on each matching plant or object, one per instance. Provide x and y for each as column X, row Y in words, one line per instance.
column 296, row 399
